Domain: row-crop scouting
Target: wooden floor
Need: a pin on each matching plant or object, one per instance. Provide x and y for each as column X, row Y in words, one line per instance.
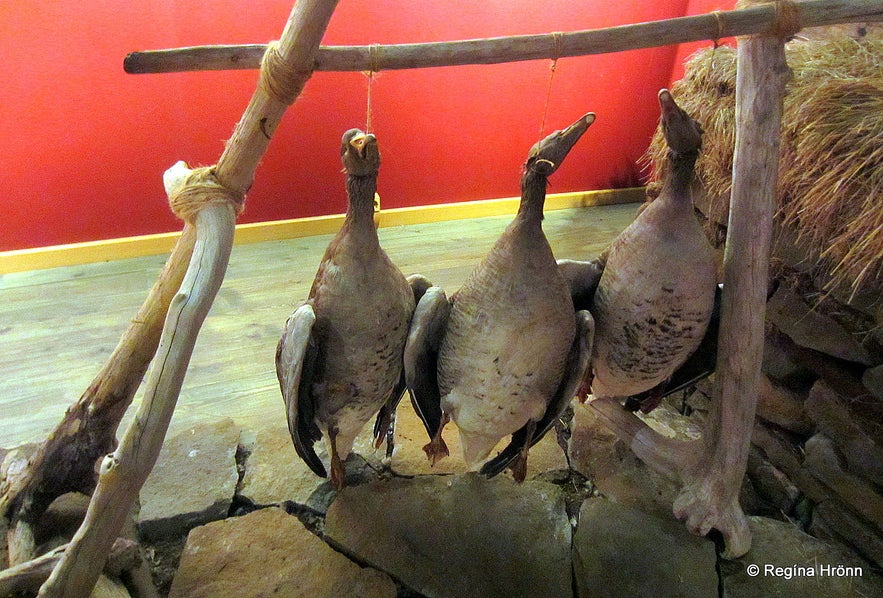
column 57, row 326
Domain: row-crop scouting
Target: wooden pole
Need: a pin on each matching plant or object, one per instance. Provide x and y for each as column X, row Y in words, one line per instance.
column 716, row 25
column 66, row 460
column 710, row 499
column 124, row 471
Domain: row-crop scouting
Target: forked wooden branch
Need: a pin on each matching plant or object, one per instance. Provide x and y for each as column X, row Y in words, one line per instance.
column 712, row 471
column 27, row 577
column 66, row 460
column 124, row 471
column 717, row 25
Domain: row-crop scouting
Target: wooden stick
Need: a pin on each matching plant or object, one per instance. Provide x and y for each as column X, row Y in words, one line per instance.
column 711, row 498
column 716, row 25
column 666, row 456
column 66, row 460
column 27, row 577
column 124, row 472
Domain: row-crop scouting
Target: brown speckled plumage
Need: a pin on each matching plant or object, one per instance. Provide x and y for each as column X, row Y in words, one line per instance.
column 656, row 294
column 362, row 306
column 511, row 328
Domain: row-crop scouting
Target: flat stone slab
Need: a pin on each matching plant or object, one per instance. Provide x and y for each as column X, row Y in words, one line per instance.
column 784, row 561
column 624, row 551
column 193, row 481
column 597, row 453
column 275, row 473
column 811, row 329
column 458, row 536
column 270, row 553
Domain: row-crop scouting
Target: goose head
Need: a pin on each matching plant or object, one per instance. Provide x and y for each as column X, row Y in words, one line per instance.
column 359, row 153
column 682, row 134
column 547, row 154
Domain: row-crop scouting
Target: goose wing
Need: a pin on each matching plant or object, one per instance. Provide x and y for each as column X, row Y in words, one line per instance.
column 421, row 356
column 583, row 278
column 295, row 366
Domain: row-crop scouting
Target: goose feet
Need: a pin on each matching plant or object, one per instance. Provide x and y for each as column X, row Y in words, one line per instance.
column 437, row 449
column 519, row 466
column 338, row 471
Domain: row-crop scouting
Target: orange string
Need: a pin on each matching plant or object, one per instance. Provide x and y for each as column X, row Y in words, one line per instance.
column 548, row 96
column 368, row 115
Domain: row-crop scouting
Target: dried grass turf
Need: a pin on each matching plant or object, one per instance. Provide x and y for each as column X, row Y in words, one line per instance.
column 831, row 167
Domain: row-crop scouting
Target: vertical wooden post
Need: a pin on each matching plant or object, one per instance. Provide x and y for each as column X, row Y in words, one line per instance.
column 710, row 499
column 124, row 471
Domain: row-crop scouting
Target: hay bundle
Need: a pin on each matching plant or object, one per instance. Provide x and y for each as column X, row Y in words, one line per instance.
column 831, row 169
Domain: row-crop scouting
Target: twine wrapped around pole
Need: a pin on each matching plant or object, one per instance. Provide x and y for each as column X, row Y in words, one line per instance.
column 280, row 79
column 199, row 189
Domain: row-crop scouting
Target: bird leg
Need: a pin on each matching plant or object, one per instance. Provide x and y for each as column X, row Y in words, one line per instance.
column 519, row 466
column 338, row 471
column 390, row 435
column 437, row 450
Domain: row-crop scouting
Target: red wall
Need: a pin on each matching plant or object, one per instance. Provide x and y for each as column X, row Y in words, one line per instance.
column 83, row 146
column 699, row 7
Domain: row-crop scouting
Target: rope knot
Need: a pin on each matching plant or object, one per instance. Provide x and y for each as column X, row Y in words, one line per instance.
column 786, row 16
column 278, row 78
column 191, row 190
column 787, row 21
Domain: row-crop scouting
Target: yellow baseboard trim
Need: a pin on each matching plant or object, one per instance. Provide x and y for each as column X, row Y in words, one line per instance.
column 39, row 258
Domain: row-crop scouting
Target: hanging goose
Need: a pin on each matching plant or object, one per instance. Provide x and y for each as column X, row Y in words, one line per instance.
column 339, row 360
column 505, row 354
column 656, row 294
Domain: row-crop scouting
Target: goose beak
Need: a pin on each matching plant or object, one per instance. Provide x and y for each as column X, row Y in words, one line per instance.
column 682, row 133
column 360, row 141
column 667, row 105
column 547, row 155
column 576, row 130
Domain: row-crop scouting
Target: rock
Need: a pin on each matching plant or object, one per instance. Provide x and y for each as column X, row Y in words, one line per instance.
column 833, row 521
column 835, row 418
column 458, row 535
column 784, row 454
column 780, row 365
column 792, row 563
column 408, row 457
column 358, row 471
column 782, row 406
column 873, row 381
column 824, row 463
column 274, row 472
column 811, row 329
column 623, row 551
column 269, row 553
column 597, row 453
column 771, row 484
column 193, row 481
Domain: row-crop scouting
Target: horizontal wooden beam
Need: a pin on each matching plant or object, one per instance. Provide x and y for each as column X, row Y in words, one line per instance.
column 713, row 26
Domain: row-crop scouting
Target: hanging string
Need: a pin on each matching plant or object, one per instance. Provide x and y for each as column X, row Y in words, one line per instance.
column 557, row 54
column 368, row 125
column 374, row 67
column 720, row 34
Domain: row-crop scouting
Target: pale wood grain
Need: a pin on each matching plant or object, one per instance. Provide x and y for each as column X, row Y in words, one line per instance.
column 712, row 26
